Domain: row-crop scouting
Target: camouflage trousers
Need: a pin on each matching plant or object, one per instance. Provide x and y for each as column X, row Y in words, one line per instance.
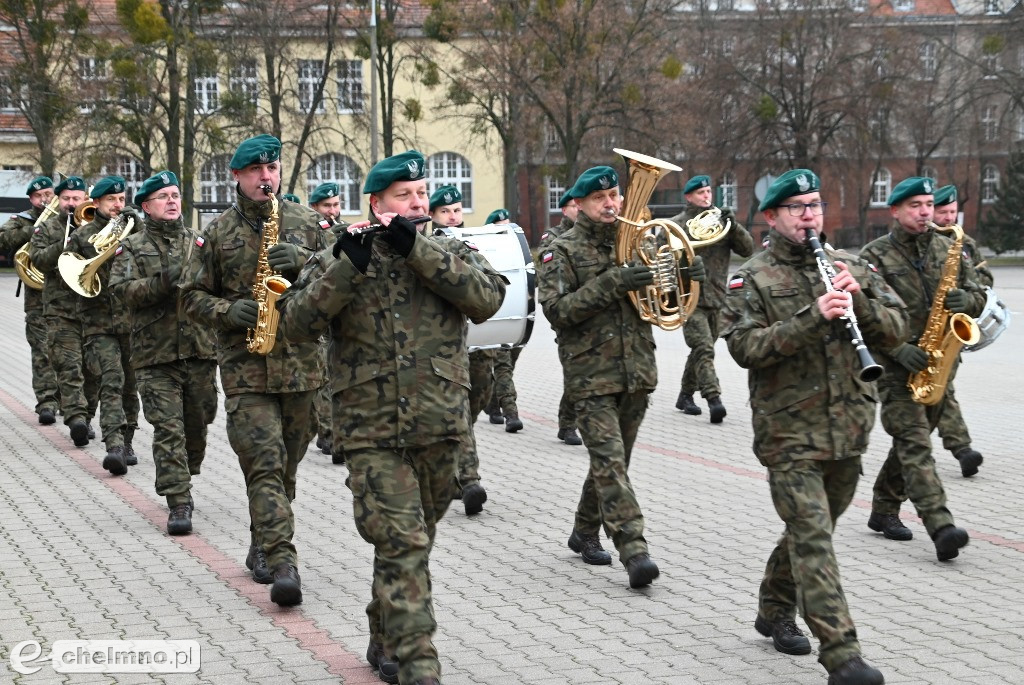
column 67, row 356
column 398, row 497
column 44, row 380
column 608, row 425
column 107, row 358
column 952, row 427
column 700, row 333
column 909, row 470
column 504, row 396
column 322, row 412
column 270, row 433
column 180, row 400
column 481, row 382
column 802, row 571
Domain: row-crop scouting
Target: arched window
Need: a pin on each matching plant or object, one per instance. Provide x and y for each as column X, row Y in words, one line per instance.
column 881, row 186
column 989, row 184
column 216, row 184
column 450, row 168
column 131, row 170
column 728, row 190
column 335, row 168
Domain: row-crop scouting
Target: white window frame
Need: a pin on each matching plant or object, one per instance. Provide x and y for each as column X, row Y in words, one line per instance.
column 932, row 173
column 310, row 71
column 903, row 5
column 928, row 54
column 451, row 168
column 129, row 169
column 348, row 76
column 729, row 190
column 91, row 70
column 990, row 123
column 989, row 65
column 989, row 184
column 207, row 90
column 216, row 184
column 340, row 169
column 244, row 79
column 555, row 192
column 992, row 7
column 881, row 187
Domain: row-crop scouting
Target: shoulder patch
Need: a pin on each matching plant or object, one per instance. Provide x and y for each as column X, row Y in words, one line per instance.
column 736, row 282
column 547, row 257
column 872, row 267
column 544, row 235
column 471, row 246
column 119, row 250
column 324, row 224
column 200, row 241
column 37, row 229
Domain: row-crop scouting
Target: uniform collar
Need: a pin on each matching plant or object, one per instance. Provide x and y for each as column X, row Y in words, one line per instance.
column 253, row 209
column 602, row 234
column 786, row 250
column 164, row 228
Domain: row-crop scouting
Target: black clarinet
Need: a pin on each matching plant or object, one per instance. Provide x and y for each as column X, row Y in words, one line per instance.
column 870, row 370
column 377, row 228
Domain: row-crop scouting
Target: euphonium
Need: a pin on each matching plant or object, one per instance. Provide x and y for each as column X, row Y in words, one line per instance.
column 945, row 333
column 672, row 298
column 30, row 275
column 267, row 287
column 81, row 274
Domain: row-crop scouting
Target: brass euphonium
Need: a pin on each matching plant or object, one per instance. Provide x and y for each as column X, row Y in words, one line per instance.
column 81, row 274
column 85, row 212
column 30, row 275
column 659, row 244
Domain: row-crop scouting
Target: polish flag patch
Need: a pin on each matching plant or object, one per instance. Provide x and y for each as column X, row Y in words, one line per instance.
column 119, row 250
column 544, row 236
column 471, row 246
column 736, row 283
column 548, row 256
column 38, row 228
column 872, row 267
column 325, row 224
column 200, row 241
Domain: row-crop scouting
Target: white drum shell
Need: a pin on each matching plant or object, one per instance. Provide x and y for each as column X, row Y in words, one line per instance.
column 994, row 319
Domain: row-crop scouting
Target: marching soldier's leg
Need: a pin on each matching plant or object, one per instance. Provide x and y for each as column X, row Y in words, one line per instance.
column 955, row 436
column 162, row 391
column 689, row 383
column 44, row 380
column 504, row 384
column 200, row 393
column 67, row 360
column 481, row 379
column 129, row 400
column 104, row 353
column 296, row 408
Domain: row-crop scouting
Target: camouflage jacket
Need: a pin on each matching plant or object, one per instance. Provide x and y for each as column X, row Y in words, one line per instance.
column 399, row 365
column 15, row 233
column 604, row 345
column 806, row 397
column 912, row 265
column 160, row 333
column 973, row 255
column 716, row 257
column 221, row 271
column 549, row 235
column 101, row 315
column 47, row 246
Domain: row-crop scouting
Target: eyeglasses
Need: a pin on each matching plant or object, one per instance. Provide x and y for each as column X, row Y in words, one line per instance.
column 798, row 208
column 164, row 197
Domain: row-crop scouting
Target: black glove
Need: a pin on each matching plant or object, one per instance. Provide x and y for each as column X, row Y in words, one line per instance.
column 956, row 301
column 243, row 314
column 696, row 271
column 356, row 248
column 911, row 357
column 172, row 276
column 400, row 235
column 285, row 257
column 728, row 215
column 637, row 276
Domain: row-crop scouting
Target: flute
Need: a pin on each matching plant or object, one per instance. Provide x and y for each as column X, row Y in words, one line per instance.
column 376, row 228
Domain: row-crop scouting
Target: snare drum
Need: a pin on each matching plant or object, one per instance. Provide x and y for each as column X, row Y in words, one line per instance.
column 994, row 319
column 505, row 247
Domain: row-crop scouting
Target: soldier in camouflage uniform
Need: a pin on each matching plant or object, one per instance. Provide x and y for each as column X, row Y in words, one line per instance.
column 911, row 259
column 78, row 391
column 607, row 355
column 173, row 359
column 701, row 330
column 395, row 303
column 13, row 234
column 952, row 427
column 268, row 398
column 106, row 335
column 812, row 414
column 566, row 412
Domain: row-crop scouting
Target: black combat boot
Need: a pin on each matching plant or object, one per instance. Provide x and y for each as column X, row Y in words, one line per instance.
column 256, row 561
column 685, row 403
column 473, row 498
column 890, row 526
column 642, row 570
column 79, row 432
column 494, row 415
column 512, row 422
column 179, row 521
column 386, row 667
column 970, row 459
column 47, row 417
column 716, row 409
column 287, row 588
column 92, row 433
column 785, row 635
column 130, row 457
column 589, row 547
column 115, row 462
column 337, row 457
column 948, row 541
column 569, row 436
column 856, row 671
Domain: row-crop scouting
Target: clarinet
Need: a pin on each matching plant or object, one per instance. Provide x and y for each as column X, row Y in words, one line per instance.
column 377, row 228
column 870, row 370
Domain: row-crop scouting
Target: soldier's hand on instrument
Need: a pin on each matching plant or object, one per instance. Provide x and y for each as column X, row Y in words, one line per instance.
column 340, row 227
column 172, row 275
column 400, row 234
column 844, row 280
column 696, row 271
column 285, row 257
column 243, row 314
column 911, row 357
column 355, row 247
column 833, row 304
column 956, row 301
column 637, row 276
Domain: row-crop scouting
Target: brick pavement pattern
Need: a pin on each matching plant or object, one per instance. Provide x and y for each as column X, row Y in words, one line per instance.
column 86, row 556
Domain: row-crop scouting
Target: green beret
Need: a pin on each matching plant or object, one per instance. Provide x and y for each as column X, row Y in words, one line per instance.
column 794, row 182
column 38, row 183
column 946, row 195
column 324, row 191
column 407, row 166
column 107, row 185
column 444, row 196
column 497, row 215
column 291, row 198
column 162, row 179
column 594, row 179
column 696, row 183
column 70, row 183
column 915, row 185
column 262, row 149
column 566, row 196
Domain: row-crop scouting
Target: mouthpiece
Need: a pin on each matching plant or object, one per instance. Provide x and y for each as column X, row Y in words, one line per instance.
column 267, row 189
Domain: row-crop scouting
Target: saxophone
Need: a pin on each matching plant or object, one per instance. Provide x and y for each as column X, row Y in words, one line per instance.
column 267, row 287
column 945, row 333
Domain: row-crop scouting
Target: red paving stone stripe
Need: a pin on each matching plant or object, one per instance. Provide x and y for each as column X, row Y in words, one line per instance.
column 316, row 641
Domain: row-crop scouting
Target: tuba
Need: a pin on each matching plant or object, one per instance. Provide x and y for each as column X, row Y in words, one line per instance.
column 672, row 298
column 30, row 275
column 945, row 332
column 81, row 274
column 267, row 287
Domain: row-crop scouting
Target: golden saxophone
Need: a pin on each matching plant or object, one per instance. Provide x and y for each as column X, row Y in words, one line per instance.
column 268, row 286
column 29, row 274
column 945, row 333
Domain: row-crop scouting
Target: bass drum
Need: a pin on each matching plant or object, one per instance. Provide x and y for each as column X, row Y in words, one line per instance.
column 505, row 247
column 994, row 319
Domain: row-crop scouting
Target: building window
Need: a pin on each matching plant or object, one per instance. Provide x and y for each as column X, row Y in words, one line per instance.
column 131, row 170
column 903, row 5
column 335, row 168
column 244, row 81
column 555, row 192
column 881, row 185
column 311, row 72
column 929, row 60
column 989, row 123
column 8, row 103
column 878, row 125
column 92, row 73
column 207, row 92
column 728, row 190
column 989, row 64
column 992, row 7
column 1020, row 124
column 551, row 139
column 449, row 168
column 930, row 172
column 216, row 185
column 350, row 85
column 989, row 184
